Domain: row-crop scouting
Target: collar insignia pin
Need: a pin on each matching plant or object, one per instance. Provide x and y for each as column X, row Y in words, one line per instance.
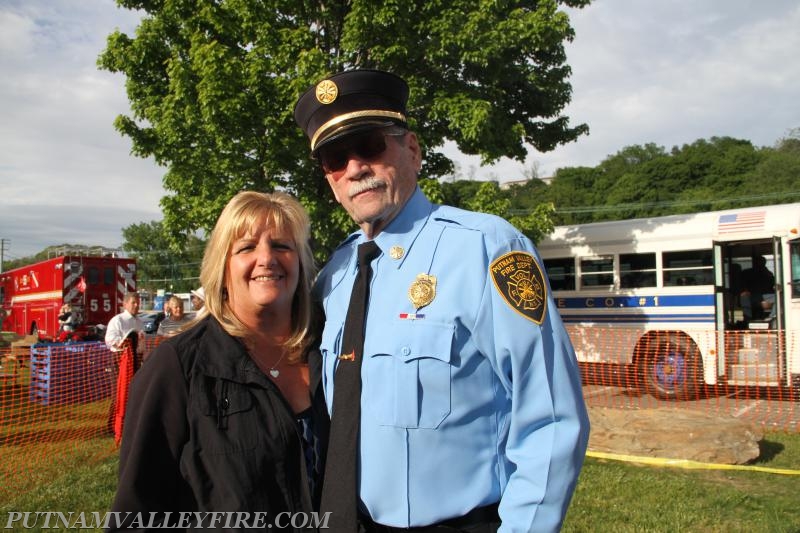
column 396, row 252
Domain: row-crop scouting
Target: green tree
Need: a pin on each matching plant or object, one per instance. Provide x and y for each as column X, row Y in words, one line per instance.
column 489, row 198
column 158, row 266
column 212, row 86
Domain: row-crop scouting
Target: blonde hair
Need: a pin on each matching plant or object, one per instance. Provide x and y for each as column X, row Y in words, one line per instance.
column 245, row 211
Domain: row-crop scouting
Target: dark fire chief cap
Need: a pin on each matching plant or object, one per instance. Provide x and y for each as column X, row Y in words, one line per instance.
column 349, row 102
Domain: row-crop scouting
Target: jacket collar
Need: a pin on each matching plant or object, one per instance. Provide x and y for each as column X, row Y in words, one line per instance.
column 222, row 356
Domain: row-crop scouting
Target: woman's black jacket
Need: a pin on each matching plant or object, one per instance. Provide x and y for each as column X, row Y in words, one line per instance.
column 206, row 430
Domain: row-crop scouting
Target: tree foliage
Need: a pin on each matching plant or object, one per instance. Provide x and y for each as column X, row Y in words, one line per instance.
column 157, row 266
column 212, row 85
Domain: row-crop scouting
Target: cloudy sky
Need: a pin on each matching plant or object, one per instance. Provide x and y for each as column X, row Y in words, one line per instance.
column 662, row 71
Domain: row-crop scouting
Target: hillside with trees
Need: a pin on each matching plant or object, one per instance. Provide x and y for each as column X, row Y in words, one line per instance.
column 647, row 181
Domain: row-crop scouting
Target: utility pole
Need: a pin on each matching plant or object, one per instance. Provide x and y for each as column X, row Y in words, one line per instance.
column 3, row 243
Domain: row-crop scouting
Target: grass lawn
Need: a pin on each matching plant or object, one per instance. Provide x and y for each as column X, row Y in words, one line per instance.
column 621, row 497
column 611, row 496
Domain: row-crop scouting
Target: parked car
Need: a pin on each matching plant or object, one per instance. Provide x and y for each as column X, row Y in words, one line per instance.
column 151, row 320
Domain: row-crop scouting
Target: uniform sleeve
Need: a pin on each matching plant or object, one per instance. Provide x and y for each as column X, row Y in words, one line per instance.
column 520, row 330
column 154, row 434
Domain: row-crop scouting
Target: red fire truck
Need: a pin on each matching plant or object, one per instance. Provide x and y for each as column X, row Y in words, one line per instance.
column 31, row 297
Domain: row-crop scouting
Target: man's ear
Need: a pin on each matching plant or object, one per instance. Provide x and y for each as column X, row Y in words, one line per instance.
column 413, row 145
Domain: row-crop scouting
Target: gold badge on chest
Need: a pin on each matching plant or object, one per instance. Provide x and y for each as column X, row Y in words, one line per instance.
column 422, row 291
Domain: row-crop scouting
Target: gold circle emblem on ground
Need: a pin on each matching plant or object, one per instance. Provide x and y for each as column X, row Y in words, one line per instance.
column 327, row 91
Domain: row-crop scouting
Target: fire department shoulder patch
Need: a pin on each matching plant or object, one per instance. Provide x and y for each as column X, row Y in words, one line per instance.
column 519, row 279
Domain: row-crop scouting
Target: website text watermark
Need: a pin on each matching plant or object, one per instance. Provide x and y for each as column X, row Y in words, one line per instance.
column 165, row 520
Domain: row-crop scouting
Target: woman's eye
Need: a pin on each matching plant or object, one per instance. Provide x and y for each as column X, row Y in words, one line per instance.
column 282, row 245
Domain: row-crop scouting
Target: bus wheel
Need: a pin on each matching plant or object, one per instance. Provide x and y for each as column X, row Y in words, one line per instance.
column 673, row 369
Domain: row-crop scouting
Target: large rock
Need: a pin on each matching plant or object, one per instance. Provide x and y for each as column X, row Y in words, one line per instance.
column 674, row 434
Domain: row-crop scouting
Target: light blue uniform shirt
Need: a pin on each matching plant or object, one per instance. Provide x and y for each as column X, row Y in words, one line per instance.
column 477, row 401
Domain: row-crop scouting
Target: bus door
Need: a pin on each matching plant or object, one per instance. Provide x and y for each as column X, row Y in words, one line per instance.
column 779, row 303
column 723, row 306
column 777, row 315
column 791, row 317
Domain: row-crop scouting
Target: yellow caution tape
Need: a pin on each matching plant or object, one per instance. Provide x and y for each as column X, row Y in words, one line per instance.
column 685, row 463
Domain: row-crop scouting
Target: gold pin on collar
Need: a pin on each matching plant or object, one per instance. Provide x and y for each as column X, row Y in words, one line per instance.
column 422, row 291
column 396, row 252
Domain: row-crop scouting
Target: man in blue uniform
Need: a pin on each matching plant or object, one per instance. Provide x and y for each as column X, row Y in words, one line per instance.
column 471, row 412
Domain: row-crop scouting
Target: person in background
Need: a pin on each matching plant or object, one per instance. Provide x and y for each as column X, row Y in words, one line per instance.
column 198, row 300
column 219, row 417
column 757, row 292
column 176, row 320
column 67, row 321
column 471, row 415
column 123, row 326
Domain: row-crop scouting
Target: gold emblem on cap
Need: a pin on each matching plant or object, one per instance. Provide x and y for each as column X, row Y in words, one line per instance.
column 327, row 91
column 422, row 291
column 396, row 252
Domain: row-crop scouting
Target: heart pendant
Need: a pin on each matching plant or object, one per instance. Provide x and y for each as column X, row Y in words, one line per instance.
column 274, row 373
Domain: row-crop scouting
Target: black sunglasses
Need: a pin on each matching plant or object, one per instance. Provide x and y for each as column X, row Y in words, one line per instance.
column 368, row 145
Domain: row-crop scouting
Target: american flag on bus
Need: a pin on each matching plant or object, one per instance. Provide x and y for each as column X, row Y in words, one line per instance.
column 737, row 222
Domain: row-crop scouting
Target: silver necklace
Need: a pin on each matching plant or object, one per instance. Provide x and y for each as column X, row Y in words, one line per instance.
column 273, row 371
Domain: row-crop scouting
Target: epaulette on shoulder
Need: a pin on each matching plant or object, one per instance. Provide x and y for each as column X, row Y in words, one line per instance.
column 446, row 214
column 450, row 215
column 473, row 220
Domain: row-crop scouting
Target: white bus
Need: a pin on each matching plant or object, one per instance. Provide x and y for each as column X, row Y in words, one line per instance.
column 686, row 300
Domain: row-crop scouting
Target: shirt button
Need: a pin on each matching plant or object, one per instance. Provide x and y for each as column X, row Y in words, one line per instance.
column 406, row 350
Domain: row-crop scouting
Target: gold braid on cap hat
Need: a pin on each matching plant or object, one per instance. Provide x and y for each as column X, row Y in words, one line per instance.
column 355, row 114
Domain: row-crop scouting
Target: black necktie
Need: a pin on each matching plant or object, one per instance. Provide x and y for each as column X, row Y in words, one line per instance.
column 340, row 491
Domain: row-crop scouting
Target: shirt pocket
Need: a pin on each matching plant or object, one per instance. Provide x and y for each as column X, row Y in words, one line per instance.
column 407, row 375
column 226, row 417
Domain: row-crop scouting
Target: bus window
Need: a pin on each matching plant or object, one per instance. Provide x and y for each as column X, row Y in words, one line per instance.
column 597, row 272
column 692, row 267
column 794, row 253
column 637, row 270
column 108, row 276
column 94, row 276
column 561, row 273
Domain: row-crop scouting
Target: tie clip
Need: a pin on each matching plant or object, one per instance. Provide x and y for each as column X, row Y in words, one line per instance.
column 348, row 356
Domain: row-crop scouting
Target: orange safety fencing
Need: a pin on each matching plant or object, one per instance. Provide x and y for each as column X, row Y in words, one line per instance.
column 745, row 374
column 59, row 406
column 56, row 406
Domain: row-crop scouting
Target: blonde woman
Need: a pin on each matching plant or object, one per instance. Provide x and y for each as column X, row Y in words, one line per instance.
column 216, row 417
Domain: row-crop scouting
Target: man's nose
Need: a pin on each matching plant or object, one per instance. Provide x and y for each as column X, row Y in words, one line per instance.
column 356, row 167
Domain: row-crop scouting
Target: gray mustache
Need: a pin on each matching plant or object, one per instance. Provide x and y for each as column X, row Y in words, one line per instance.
column 365, row 185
